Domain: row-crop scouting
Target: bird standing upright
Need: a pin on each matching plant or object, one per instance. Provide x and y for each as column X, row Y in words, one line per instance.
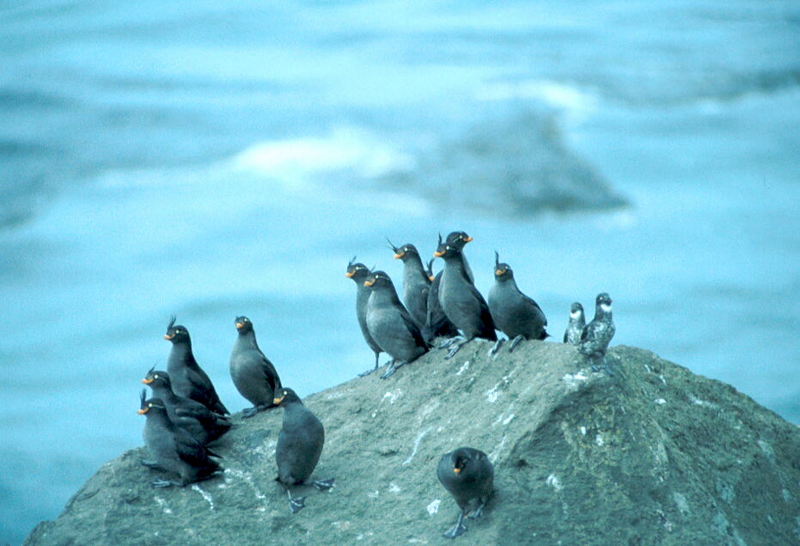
column 416, row 283
column 172, row 448
column 577, row 322
column 468, row 476
column 598, row 334
column 460, row 300
column 253, row 374
column 515, row 314
column 390, row 324
column 188, row 378
column 299, row 446
column 204, row 425
column 359, row 273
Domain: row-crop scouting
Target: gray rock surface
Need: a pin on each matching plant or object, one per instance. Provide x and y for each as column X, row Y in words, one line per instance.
column 653, row 455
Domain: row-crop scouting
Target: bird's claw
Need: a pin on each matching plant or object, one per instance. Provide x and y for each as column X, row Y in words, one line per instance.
column 296, row 504
column 324, row 485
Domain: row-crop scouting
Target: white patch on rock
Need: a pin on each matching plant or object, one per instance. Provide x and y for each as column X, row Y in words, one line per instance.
column 573, row 381
column 248, row 479
column 342, row 525
column 681, row 503
column 374, row 494
column 660, row 401
column 767, row 449
column 163, row 504
column 494, row 455
column 508, row 419
column 392, row 396
column 554, row 482
column 433, row 507
column 787, row 495
column 420, row 436
column 583, row 431
column 463, row 368
column 599, row 440
column 205, row 494
column 394, row 488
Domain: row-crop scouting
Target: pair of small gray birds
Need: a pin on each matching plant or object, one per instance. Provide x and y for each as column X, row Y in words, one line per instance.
column 592, row 339
column 176, row 432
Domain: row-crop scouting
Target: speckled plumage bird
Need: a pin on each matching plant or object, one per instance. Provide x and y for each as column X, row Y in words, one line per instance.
column 359, row 273
column 515, row 314
column 188, row 378
column 253, row 374
column 461, row 301
column 577, row 322
column 468, row 476
column 390, row 324
column 172, row 448
column 598, row 334
column 300, row 443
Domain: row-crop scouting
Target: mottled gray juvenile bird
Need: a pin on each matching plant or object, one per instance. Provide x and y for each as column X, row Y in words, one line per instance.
column 468, row 475
column 577, row 322
column 515, row 314
column 460, row 300
column 253, row 374
column 172, row 448
column 204, row 425
column 390, row 325
column 359, row 273
column 416, row 283
column 299, row 446
column 598, row 334
column 188, row 378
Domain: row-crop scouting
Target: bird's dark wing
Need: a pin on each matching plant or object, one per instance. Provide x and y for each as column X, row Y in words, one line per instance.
column 190, row 450
column 270, row 373
column 412, row 328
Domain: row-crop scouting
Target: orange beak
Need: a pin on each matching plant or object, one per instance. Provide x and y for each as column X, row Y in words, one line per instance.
column 439, row 253
column 350, row 274
column 469, row 239
column 399, row 255
column 147, row 381
column 499, row 272
column 369, row 282
column 167, row 336
column 457, row 470
column 239, row 325
column 142, row 411
column 431, row 277
column 277, row 401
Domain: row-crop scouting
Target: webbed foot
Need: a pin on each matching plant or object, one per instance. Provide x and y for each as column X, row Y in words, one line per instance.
column 393, row 367
column 478, row 512
column 450, row 341
column 324, row 485
column 455, row 348
column 514, row 343
column 296, row 504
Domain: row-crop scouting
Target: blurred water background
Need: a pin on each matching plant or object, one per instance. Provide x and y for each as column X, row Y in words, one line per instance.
column 211, row 160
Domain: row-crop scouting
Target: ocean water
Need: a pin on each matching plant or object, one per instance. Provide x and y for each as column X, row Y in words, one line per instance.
column 211, row 161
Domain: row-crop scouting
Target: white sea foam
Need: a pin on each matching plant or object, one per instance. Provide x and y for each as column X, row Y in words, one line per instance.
column 576, row 102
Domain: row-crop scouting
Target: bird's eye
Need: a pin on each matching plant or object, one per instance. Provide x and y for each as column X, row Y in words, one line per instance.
column 155, row 376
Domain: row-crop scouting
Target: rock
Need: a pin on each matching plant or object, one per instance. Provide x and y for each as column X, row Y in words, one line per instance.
column 652, row 455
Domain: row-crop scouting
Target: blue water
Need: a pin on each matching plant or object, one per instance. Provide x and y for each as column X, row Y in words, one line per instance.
column 212, row 161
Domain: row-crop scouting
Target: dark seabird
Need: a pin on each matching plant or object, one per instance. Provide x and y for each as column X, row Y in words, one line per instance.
column 299, row 446
column 461, row 301
column 598, row 333
column 188, row 378
column 204, row 425
column 253, row 374
column 515, row 314
column 437, row 324
column 172, row 448
column 390, row 324
column 416, row 282
column 468, row 475
column 577, row 321
column 359, row 273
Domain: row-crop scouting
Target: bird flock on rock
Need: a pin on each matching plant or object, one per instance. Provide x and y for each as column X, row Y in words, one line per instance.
column 443, row 310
